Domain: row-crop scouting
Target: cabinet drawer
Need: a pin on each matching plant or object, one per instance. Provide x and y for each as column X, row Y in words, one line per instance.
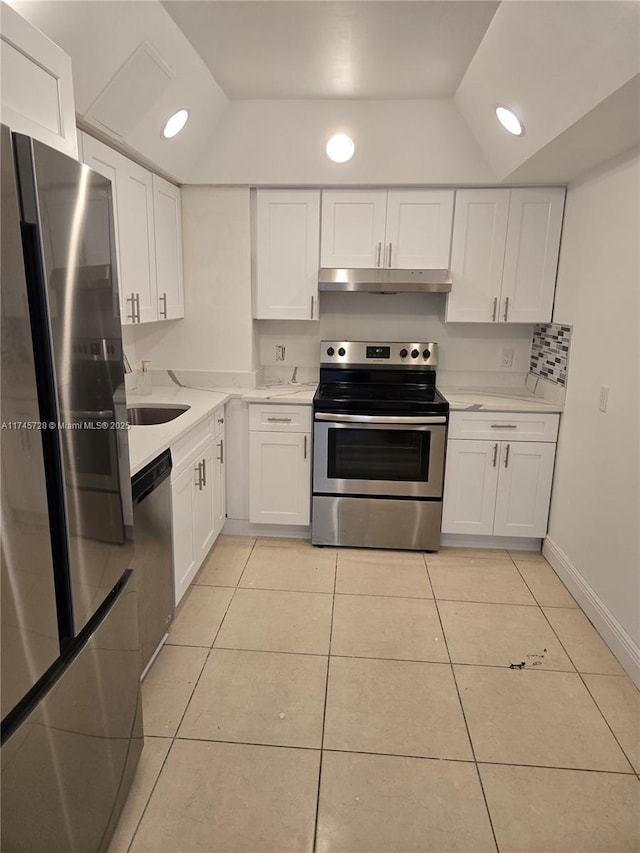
column 504, row 426
column 190, row 444
column 279, row 418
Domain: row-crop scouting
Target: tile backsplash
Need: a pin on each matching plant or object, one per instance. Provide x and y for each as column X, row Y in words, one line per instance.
column 550, row 352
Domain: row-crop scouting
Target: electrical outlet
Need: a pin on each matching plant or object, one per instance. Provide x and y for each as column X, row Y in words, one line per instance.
column 506, row 357
column 604, row 396
column 279, row 352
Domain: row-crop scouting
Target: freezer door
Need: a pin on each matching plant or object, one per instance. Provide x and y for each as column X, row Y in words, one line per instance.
column 73, row 209
column 29, row 637
column 67, row 769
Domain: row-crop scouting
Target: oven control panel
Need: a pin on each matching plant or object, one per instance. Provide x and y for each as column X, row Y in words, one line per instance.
column 394, row 353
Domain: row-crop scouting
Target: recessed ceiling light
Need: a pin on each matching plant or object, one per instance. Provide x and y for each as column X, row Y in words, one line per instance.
column 510, row 121
column 175, row 124
column 340, row 148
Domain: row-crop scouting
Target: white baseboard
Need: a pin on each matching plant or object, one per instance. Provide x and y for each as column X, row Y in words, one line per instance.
column 242, row 527
column 511, row 543
column 621, row 644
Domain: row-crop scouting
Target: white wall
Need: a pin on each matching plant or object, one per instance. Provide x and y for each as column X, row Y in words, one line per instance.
column 595, row 508
column 397, row 142
column 216, row 333
column 464, row 349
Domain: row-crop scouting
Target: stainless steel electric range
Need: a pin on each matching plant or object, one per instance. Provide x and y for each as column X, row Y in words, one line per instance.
column 380, row 431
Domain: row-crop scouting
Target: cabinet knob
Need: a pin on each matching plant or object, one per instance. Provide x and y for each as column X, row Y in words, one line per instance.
column 220, row 420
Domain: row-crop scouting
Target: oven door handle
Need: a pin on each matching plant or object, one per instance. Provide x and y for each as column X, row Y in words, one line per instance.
column 380, row 419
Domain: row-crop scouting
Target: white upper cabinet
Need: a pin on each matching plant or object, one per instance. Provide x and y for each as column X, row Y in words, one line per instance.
column 353, row 228
column 148, row 224
column 137, row 242
column 477, row 255
column 504, row 255
column 398, row 229
column 286, row 254
column 531, row 254
column 418, row 233
column 167, row 213
column 37, row 86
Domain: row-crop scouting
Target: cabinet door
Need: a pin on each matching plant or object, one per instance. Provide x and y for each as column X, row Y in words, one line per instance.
column 167, row 213
column 470, row 487
column 203, row 505
column 104, row 160
column 184, row 555
column 279, row 478
column 137, row 241
column 531, row 254
column 286, row 254
column 219, row 490
column 37, row 84
column 477, row 255
column 524, row 488
column 353, row 228
column 418, row 233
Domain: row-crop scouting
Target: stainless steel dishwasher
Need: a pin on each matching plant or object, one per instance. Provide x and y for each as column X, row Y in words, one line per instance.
column 153, row 562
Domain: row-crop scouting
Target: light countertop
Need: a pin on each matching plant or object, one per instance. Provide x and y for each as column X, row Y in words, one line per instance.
column 517, row 399
column 147, row 442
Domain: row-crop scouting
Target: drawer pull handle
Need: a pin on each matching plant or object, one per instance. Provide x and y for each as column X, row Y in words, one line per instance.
column 506, row 309
column 279, row 420
column 495, row 454
column 305, row 447
column 221, row 446
column 204, row 473
column 389, row 261
column 163, row 309
column 504, row 426
column 495, row 308
column 506, row 456
column 198, row 471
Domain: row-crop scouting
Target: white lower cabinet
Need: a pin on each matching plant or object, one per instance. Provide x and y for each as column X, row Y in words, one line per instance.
column 198, row 500
column 279, row 464
column 498, row 488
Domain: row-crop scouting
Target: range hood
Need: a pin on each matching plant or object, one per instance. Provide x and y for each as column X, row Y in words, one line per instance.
column 384, row 280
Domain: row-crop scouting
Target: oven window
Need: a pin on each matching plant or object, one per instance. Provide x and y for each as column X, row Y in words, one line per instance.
column 379, row 454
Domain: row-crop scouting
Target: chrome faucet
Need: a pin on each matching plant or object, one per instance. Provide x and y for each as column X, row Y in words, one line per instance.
column 293, row 380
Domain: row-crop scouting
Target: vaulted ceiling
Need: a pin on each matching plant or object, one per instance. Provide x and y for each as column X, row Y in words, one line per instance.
column 416, row 83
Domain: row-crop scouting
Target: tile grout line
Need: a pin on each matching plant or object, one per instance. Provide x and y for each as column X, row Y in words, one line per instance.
column 324, row 712
column 580, row 674
column 197, row 681
column 464, row 716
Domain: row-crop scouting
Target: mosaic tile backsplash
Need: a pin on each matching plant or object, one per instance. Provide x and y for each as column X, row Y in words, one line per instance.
column 550, row 352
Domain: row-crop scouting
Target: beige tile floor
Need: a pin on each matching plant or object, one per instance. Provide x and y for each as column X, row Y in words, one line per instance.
column 345, row 700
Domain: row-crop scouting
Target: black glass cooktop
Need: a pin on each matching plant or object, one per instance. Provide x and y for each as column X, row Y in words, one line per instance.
column 378, row 398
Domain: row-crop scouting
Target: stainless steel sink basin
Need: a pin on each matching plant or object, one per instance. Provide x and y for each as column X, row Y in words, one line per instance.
column 150, row 415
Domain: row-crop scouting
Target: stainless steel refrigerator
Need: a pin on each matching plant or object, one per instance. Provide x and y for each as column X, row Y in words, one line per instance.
column 70, row 694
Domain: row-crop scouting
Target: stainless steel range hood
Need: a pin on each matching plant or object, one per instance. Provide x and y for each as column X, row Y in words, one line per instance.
column 384, row 280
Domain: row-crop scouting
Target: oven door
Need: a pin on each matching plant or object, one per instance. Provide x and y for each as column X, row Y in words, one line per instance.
column 382, row 456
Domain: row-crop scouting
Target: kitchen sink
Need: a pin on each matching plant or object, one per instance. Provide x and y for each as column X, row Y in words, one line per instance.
column 150, row 415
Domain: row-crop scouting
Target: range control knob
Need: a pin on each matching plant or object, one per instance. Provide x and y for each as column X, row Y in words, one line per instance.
column 426, row 353
column 415, row 353
column 342, row 351
column 330, row 351
column 403, row 353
